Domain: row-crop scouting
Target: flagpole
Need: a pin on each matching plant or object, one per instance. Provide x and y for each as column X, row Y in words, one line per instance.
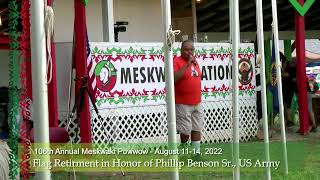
column 108, row 20
column 230, row 19
column 39, row 86
column 171, row 113
column 279, row 82
column 260, row 38
column 194, row 19
column 235, row 86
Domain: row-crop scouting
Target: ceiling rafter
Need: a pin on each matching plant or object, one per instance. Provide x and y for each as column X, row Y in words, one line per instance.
column 213, row 15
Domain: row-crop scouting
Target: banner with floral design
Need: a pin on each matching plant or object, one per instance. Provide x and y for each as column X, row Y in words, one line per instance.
column 132, row 74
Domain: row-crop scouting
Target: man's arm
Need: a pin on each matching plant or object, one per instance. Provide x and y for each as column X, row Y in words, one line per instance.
column 179, row 74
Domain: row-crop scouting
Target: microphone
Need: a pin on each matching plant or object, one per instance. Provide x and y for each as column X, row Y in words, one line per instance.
column 191, row 59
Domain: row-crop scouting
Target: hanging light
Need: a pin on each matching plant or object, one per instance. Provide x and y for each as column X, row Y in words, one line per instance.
column 198, row 1
column 0, row 21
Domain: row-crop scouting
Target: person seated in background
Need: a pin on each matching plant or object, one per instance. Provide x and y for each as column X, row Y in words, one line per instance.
column 312, row 87
column 289, row 86
column 4, row 100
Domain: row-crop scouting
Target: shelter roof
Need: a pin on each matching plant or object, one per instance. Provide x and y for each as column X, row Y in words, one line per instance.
column 213, row 15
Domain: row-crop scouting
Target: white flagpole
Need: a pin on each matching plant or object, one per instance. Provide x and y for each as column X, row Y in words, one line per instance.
column 260, row 38
column 235, row 86
column 39, row 86
column 279, row 82
column 171, row 113
column 108, row 20
column 194, row 19
column 230, row 19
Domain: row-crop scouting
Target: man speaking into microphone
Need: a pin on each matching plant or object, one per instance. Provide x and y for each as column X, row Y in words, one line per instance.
column 187, row 82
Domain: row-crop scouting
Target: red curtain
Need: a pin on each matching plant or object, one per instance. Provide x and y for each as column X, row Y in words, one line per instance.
column 52, row 88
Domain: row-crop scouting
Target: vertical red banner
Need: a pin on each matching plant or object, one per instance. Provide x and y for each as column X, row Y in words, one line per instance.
column 80, row 64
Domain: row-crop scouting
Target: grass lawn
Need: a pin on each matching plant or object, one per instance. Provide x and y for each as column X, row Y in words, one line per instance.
column 303, row 160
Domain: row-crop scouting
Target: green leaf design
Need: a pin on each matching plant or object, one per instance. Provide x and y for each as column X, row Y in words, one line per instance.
column 98, row 102
column 161, row 51
column 247, row 50
column 204, row 51
column 142, row 51
column 85, row 2
column 112, row 100
column 241, row 93
column 152, row 50
column 14, row 76
column 196, row 51
column 145, row 99
column 118, row 50
column 95, row 50
column 129, row 51
column 175, row 51
column 157, row 98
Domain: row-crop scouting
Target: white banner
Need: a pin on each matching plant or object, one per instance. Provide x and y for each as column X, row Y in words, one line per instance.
column 132, row 74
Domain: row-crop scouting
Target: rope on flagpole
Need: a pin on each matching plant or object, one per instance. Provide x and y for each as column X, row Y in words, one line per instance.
column 278, row 65
column 171, row 34
column 49, row 21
